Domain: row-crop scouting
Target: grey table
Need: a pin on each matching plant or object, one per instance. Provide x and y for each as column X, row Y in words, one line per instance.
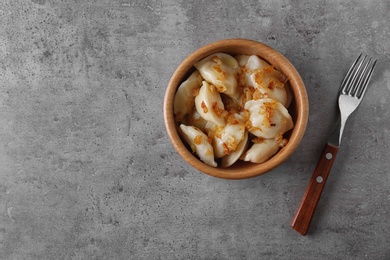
column 87, row 170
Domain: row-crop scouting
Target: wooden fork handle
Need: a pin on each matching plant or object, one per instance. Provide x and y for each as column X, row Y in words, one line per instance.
column 304, row 214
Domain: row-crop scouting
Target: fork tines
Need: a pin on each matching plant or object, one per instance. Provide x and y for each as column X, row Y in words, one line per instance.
column 356, row 81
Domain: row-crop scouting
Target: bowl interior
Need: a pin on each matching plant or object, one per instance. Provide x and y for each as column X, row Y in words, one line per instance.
column 298, row 108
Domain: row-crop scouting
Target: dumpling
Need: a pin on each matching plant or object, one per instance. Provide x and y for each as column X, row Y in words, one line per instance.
column 195, row 119
column 185, row 96
column 264, row 77
column 242, row 59
column 267, row 118
column 209, row 104
column 221, row 70
column 230, row 159
column 244, row 79
column 255, row 63
column 261, row 151
column 199, row 144
column 226, row 138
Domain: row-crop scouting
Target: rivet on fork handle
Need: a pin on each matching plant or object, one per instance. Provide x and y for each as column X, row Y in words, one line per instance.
column 304, row 214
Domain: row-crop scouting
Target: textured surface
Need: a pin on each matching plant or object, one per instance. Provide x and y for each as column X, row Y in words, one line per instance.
column 87, row 170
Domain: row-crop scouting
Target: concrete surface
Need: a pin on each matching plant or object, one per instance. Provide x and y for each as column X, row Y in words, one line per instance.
column 87, row 170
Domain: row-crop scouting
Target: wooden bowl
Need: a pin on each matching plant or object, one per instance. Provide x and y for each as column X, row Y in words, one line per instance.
column 298, row 109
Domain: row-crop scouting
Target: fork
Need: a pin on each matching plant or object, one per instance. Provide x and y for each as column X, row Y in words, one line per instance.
column 351, row 93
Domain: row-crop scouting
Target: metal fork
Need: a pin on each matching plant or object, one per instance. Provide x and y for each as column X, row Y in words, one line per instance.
column 351, row 93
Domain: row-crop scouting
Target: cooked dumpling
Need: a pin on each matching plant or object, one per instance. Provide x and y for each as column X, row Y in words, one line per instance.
column 226, row 138
column 217, row 143
column 199, row 144
column 209, row 104
column 261, row 151
column 255, row 63
column 244, row 79
column 228, row 160
column 195, row 119
column 267, row 118
column 221, row 70
column 185, row 95
column 271, row 75
column 242, row 60
column 264, row 77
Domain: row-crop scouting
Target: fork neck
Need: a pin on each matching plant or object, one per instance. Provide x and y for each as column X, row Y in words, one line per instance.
column 335, row 138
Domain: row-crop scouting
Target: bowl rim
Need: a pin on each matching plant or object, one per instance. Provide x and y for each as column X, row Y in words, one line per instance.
column 273, row 57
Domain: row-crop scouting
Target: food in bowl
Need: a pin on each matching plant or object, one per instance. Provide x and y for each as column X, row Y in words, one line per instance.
column 233, row 108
